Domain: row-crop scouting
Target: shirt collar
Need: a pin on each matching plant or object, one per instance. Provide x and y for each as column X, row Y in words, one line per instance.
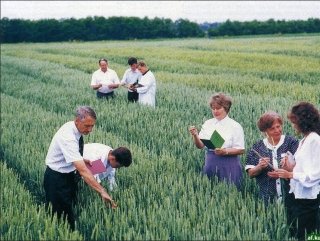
column 136, row 71
column 271, row 147
column 106, row 159
column 221, row 122
column 76, row 131
column 146, row 72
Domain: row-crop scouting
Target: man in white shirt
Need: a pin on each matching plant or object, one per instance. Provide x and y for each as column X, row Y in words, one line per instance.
column 104, row 80
column 64, row 159
column 131, row 76
column 111, row 158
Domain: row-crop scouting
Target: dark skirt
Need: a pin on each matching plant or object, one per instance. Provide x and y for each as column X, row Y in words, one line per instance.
column 224, row 167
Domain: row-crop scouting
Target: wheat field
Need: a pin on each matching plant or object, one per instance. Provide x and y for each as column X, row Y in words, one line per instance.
column 162, row 195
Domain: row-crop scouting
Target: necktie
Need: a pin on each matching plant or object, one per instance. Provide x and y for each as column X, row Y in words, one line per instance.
column 77, row 176
column 81, row 144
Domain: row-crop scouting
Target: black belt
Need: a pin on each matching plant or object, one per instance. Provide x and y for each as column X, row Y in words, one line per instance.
column 75, row 174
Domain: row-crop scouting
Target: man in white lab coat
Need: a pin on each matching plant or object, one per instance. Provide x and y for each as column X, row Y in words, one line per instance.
column 147, row 86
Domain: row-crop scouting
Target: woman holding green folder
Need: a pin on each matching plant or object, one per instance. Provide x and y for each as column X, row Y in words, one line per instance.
column 223, row 161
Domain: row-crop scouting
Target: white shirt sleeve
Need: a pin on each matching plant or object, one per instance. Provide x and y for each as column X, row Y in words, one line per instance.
column 307, row 170
column 115, row 78
column 238, row 138
column 125, row 77
column 112, row 179
column 94, row 79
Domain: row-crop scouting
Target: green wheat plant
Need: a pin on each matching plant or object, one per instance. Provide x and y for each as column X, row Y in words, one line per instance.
column 162, row 195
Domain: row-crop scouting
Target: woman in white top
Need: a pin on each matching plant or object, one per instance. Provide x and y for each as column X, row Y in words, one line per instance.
column 222, row 162
column 305, row 172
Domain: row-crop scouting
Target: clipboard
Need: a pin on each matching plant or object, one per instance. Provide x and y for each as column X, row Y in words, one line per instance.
column 97, row 167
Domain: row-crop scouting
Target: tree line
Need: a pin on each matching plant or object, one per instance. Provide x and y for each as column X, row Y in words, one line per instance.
column 236, row 28
column 129, row 28
column 96, row 28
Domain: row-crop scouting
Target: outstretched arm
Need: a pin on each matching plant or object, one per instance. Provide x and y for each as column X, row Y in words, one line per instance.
column 92, row 182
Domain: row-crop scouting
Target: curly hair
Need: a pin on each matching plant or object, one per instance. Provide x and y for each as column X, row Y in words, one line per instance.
column 267, row 119
column 306, row 116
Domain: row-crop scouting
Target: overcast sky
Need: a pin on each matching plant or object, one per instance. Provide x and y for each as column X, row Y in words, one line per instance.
column 194, row 11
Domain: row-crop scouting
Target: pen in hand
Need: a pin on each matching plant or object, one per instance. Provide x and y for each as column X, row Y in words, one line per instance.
column 272, row 167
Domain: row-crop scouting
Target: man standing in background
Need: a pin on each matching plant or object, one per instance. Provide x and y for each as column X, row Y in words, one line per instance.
column 105, row 80
column 147, row 86
column 131, row 76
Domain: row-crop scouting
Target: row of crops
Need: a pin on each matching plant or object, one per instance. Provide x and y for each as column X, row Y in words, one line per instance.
column 161, row 196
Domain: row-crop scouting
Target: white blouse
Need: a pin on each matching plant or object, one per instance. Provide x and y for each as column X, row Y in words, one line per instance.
column 275, row 162
column 305, row 183
column 230, row 130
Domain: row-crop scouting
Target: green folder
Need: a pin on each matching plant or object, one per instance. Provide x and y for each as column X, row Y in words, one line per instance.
column 215, row 141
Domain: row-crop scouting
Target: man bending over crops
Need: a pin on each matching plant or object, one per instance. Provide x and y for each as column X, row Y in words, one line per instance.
column 65, row 162
column 111, row 158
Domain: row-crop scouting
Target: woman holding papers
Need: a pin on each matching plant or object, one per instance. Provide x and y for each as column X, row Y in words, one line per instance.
column 111, row 159
column 304, row 172
column 223, row 161
column 271, row 149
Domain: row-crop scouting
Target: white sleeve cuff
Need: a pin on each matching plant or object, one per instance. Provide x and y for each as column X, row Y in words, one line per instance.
column 249, row 167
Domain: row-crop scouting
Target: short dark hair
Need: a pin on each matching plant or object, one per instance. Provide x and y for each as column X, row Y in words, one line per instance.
column 132, row 61
column 306, row 116
column 222, row 100
column 123, row 156
column 103, row 60
column 83, row 111
column 266, row 120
